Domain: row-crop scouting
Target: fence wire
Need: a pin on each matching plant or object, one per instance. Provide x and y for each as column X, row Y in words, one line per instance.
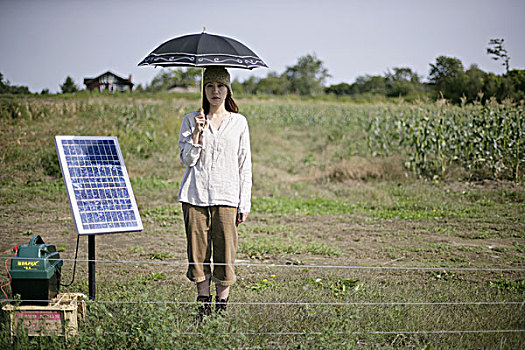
column 353, row 304
column 280, row 303
column 445, row 331
column 291, row 265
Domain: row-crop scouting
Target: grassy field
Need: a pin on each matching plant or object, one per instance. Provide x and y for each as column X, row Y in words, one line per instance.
column 323, row 198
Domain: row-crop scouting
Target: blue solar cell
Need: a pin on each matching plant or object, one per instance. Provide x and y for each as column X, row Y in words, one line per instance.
column 98, row 187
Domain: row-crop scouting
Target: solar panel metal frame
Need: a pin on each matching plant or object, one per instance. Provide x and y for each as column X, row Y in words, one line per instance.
column 65, row 167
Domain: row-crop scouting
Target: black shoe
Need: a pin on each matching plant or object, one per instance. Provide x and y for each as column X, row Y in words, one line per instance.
column 220, row 305
column 204, row 304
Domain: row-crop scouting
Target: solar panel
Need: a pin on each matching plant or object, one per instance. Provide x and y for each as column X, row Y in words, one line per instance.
column 97, row 184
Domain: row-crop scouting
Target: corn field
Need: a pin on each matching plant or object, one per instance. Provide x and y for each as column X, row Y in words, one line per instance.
column 484, row 141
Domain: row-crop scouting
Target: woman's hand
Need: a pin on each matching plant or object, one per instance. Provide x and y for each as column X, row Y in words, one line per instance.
column 200, row 125
column 241, row 217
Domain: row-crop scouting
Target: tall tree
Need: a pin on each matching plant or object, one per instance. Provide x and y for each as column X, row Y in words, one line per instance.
column 402, row 82
column 189, row 77
column 161, row 81
column 369, row 84
column 339, row 89
column 307, row 76
column 249, row 86
column 4, row 85
column 447, row 76
column 274, row 83
column 445, row 67
column 7, row 88
column 68, row 85
column 167, row 79
column 474, row 81
column 498, row 52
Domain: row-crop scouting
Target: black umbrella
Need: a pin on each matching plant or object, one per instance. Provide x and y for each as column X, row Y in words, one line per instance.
column 203, row 50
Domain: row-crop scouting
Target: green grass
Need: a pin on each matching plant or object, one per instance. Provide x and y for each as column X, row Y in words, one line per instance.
column 163, row 325
column 303, row 206
column 258, row 247
column 319, row 198
column 159, row 256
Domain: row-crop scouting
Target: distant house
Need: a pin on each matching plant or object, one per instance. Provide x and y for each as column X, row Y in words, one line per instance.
column 109, row 82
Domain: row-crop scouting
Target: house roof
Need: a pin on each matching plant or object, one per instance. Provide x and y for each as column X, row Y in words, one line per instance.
column 120, row 80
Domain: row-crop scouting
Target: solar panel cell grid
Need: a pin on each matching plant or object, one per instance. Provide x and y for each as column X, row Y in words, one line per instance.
column 103, row 200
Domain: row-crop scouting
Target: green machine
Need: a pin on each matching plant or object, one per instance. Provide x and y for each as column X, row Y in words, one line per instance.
column 35, row 271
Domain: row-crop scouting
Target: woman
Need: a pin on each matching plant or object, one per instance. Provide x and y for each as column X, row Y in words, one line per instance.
column 216, row 187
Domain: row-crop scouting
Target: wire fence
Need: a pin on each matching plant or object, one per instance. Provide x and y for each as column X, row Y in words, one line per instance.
column 278, row 303
column 372, row 332
column 290, row 265
column 398, row 332
column 308, row 304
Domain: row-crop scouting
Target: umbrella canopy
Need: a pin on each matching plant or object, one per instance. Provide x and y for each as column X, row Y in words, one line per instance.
column 203, row 50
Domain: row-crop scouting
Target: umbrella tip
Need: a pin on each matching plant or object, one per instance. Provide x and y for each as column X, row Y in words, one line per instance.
column 204, row 29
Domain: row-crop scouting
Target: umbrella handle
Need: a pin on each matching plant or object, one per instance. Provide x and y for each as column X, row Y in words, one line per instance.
column 202, row 93
column 202, row 98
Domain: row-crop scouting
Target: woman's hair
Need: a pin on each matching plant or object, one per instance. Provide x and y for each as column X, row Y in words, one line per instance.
column 229, row 104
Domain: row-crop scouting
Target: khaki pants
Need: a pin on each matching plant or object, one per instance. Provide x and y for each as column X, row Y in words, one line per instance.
column 211, row 230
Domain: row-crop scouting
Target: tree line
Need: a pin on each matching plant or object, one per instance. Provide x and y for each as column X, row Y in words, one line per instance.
column 447, row 78
column 68, row 86
column 7, row 88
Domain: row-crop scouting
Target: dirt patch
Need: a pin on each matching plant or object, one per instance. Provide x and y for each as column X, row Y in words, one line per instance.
column 358, row 168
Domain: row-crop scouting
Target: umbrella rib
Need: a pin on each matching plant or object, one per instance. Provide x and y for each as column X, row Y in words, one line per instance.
column 201, row 55
column 228, row 43
column 199, row 44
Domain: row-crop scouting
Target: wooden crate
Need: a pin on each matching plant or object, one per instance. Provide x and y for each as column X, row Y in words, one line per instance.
column 60, row 317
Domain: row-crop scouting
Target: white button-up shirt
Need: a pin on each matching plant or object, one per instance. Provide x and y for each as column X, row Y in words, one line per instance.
column 219, row 172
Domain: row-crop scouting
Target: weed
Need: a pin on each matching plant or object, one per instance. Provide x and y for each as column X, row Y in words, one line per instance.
column 155, row 276
column 261, row 285
column 160, row 256
column 519, row 247
column 338, row 288
column 503, row 284
column 442, row 275
column 136, row 249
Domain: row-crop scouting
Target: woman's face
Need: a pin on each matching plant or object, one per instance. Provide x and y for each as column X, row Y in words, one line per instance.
column 216, row 93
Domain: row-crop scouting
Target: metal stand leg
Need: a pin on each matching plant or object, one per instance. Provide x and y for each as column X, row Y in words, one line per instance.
column 91, row 266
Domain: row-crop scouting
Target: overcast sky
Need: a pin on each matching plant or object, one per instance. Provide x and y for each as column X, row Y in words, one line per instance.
column 42, row 42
